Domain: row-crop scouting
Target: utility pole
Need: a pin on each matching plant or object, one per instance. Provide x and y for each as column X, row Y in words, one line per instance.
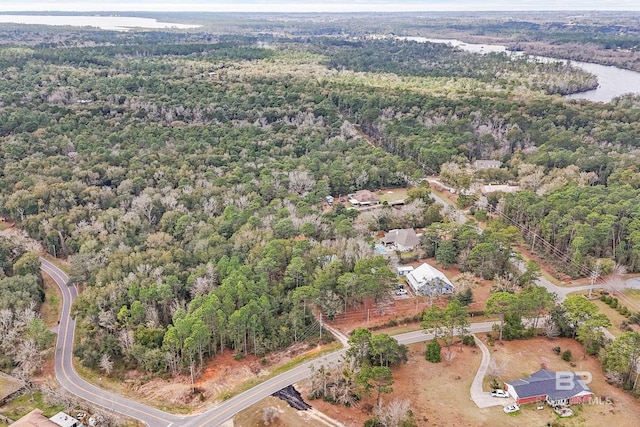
column 594, row 276
column 193, row 388
column 320, row 321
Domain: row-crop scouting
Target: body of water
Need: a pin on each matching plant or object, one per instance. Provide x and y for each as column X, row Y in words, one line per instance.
column 117, row 23
column 381, row 249
column 613, row 81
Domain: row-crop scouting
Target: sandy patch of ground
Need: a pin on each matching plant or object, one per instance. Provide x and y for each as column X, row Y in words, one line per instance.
column 8, row 385
column 285, row 416
column 220, row 376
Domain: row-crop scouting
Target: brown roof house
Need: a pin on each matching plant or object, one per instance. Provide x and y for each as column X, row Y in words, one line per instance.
column 364, row 198
column 34, row 418
column 404, row 240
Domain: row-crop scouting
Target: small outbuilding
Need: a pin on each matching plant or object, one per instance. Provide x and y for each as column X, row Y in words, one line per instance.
column 64, row 420
column 403, row 270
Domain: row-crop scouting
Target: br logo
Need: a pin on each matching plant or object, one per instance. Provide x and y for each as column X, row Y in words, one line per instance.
column 566, row 380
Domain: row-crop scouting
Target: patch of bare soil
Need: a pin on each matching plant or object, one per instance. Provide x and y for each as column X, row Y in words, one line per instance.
column 221, row 375
column 276, row 413
column 547, row 266
column 8, row 385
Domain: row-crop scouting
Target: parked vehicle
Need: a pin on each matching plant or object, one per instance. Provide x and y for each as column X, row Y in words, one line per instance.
column 511, row 408
column 499, row 393
column 401, row 291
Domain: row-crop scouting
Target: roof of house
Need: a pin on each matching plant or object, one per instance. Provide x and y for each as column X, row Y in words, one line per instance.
column 501, row 188
column 406, row 237
column 480, row 164
column 545, row 382
column 34, row 419
column 64, row 420
column 365, row 196
column 424, row 273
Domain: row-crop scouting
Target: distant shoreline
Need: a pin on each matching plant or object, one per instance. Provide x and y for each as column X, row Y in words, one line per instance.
column 116, row 23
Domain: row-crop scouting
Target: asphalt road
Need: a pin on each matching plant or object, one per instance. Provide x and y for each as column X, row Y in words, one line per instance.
column 71, row 381
column 69, row 378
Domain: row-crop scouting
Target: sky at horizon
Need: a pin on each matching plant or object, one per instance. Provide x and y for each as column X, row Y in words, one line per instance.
column 315, row 5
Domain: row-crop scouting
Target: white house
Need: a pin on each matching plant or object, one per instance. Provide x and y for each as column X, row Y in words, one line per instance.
column 487, row 189
column 428, row 280
column 487, row 164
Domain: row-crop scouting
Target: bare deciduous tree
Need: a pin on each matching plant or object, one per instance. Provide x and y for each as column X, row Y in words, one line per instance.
column 301, row 182
column 107, row 320
column 269, row 415
column 28, row 357
column 106, row 364
column 144, row 205
column 394, row 414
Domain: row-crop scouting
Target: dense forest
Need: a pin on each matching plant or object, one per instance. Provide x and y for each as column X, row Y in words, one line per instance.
column 182, row 175
column 23, row 334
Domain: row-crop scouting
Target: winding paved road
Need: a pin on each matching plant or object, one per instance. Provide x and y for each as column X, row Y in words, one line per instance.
column 71, row 381
column 69, row 378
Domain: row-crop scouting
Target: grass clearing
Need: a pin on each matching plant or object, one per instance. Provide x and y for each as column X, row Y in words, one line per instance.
column 440, row 392
column 392, row 194
column 24, row 404
column 613, row 315
column 633, row 295
column 50, row 309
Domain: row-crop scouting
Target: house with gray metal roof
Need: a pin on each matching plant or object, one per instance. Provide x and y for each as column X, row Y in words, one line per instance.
column 555, row 388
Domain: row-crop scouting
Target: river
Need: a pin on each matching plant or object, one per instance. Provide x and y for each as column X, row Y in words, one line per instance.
column 117, row 23
column 613, row 81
